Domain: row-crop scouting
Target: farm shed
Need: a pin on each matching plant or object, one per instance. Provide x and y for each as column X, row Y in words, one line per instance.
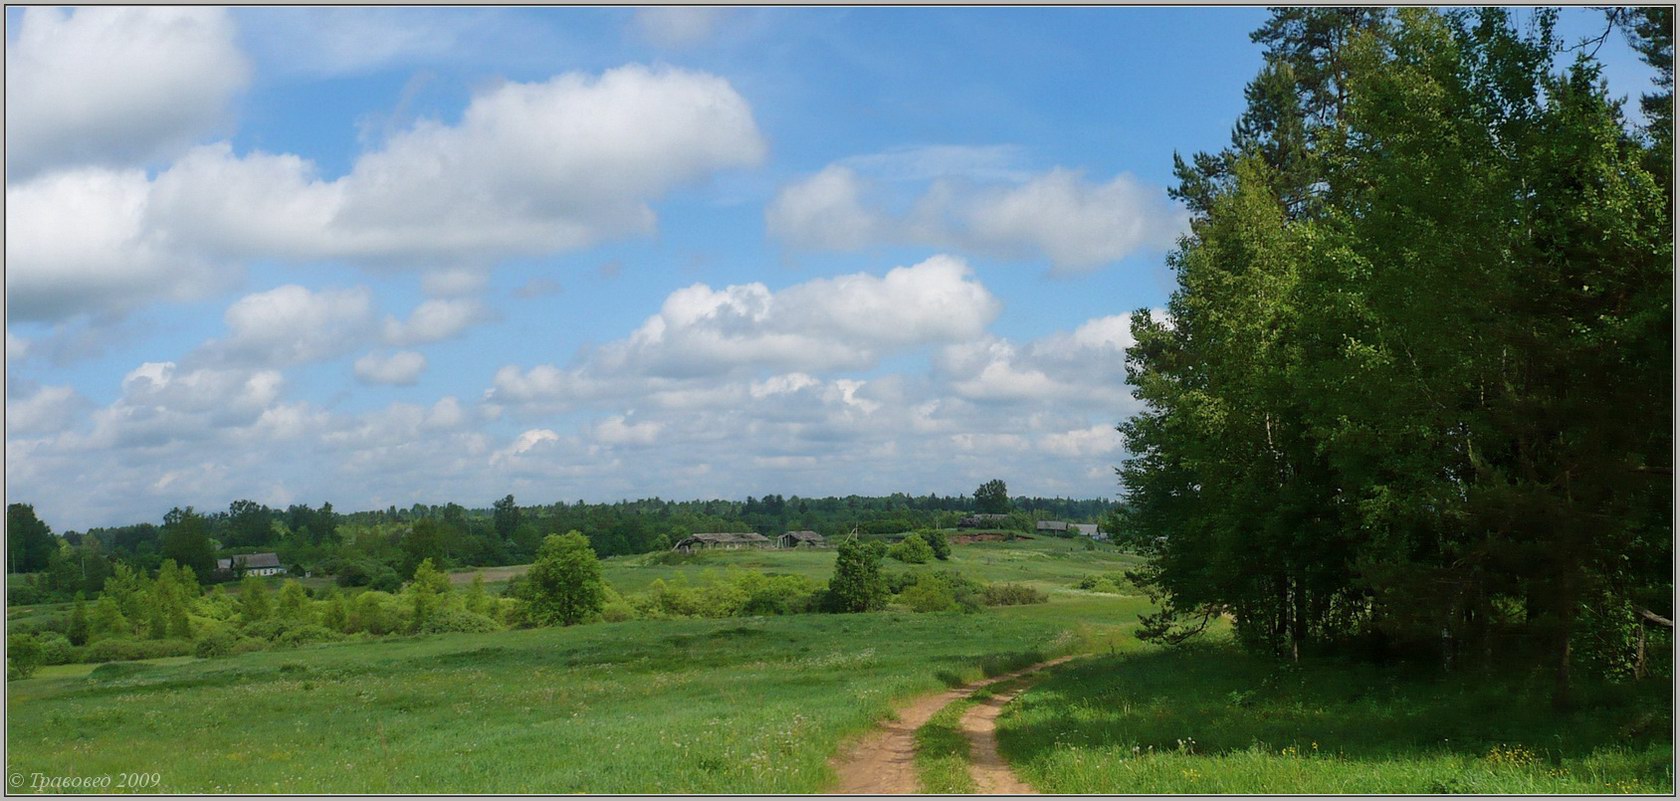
column 1091, row 530
column 1053, row 526
column 982, row 521
column 729, row 539
column 794, row 539
column 254, row 564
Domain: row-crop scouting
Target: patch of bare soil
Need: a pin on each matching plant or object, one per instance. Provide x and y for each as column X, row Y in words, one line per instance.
column 883, row 762
column 991, row 774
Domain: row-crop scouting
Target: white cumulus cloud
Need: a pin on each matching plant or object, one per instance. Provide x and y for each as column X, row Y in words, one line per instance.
column 1058, row 216
column 116, row 86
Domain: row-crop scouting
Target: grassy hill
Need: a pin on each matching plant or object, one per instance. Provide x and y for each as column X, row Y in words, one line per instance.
column 699, row 706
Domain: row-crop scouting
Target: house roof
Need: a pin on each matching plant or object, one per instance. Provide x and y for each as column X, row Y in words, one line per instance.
column 1051, row 525
column 250, row 560
column 727, row 537
column 1088, row 529
column 804, row 536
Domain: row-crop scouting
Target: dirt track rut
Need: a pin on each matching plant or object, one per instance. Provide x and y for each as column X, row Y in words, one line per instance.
column 884, row 761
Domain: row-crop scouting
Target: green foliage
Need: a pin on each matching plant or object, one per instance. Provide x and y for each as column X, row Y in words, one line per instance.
column 214, row 644
column 1012, row 595
column 1415, row 373
column 940, row 591
column 79, row 628
column 23, row 656
column 911, row 550
column 107, row 620
column 427, row 594
column 122, row 650
column 564, row 583
column 29, row 542
column 857, row 585
column 992, row 497
column 293, row 603
column 938, row 542
column 335, row 614
column 186, row 539
column 254, row 604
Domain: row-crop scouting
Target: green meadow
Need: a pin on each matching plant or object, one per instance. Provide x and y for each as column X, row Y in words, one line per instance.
column 679, row 706
column 759, row 705
column 1211, row 719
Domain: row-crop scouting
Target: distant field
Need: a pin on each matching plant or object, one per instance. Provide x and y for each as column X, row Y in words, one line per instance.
column 748, row 705
column 1045, row 562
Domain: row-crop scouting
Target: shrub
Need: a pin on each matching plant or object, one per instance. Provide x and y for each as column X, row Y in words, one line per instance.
column 308, row 633
column 936, row 540
column 55, row 648
column 450, row 620
column 1115, row 583
column 23, row 656
column 912, row 550
column 778, row 594
column 940, row 591
column 122, row 650
column 215, row 643
column 1011, row 595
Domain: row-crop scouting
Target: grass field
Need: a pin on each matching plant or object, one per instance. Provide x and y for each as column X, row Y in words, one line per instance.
column 1045, row 562
column 758, row 705
column 683, row 706
column 1213, row 720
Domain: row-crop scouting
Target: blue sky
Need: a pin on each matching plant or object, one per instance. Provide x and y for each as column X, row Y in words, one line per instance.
column 386, row 256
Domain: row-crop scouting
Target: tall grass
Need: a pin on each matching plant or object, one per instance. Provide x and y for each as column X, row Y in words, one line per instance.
column 1213, row 720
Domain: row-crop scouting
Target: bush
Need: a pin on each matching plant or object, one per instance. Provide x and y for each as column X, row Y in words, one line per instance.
column 938, row 543
column 778, row 594
column 23, row 656
column 1115, row 583
column 213, row 644
column 55, row 648
column 308, row 633
column 123, row 650
column 941, row 591
column 449, row 620
column 1012, row 595
column 912, row 550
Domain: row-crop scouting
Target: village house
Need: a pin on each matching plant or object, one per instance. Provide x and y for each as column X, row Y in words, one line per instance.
column 727, row 540
column 982, row 521
column 794, row 539
column 1091, row 530
column 253, row 564
column 1056, row 527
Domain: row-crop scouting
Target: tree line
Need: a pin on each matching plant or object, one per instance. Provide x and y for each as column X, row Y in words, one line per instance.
column 382, row 548
column 1412, row 394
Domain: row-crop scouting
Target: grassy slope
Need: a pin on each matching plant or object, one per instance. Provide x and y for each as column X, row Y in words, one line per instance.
column 741, row 705
column 1212, row 720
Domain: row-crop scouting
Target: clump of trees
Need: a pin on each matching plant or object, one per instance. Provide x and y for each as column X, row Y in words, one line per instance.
column 1412, row 394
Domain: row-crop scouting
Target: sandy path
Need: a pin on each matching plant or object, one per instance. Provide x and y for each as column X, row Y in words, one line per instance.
column 883, row 761
column 992, row 775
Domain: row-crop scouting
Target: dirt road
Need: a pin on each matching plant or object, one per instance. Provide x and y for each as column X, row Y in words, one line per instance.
column 883, row 761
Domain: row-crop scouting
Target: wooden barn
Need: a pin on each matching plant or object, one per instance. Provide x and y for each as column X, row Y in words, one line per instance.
column 982, row 521
column 795, row 539
column 730, row 540
column 1052, row 526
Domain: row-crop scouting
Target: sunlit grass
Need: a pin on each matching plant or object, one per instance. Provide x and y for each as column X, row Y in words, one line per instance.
column 746, row 705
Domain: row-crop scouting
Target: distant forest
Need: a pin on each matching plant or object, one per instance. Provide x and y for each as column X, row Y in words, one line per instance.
column 381, row 548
